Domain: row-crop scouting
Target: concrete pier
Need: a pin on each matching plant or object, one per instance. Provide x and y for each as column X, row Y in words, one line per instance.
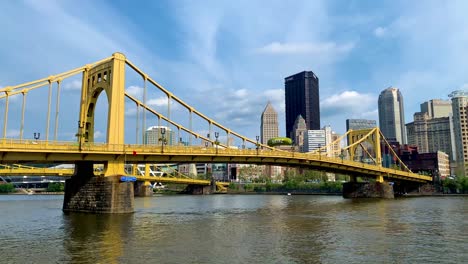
column 198, row 189
column 368, row 190
column 142, row 189
column 85, row 192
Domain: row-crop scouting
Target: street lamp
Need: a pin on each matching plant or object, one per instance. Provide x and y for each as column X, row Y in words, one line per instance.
column 162, row 138
column 341, row 156
column 216, row 142
column 37, row 135
column 320, row 151
column 257, row 145
column 80, row 134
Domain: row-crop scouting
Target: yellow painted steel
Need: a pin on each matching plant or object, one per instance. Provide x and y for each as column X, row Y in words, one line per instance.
column 108, row 75
column 16, row 151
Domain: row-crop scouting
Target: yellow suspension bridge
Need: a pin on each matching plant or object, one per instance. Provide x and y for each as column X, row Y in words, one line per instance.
column 108, row 75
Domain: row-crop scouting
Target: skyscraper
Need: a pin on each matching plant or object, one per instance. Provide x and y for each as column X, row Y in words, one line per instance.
column 302, row 98
column 356, row 124
column 314, row 139
column 298, row 132
column 460, row 124
column 154, row 134
column 437, row 108
column 432, row 128
column 269, row 124
column 392, row 115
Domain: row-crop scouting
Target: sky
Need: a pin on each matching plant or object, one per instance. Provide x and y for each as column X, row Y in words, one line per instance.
column 228, row 59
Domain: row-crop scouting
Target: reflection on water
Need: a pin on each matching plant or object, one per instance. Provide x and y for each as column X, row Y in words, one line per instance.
column 238, row 229
column 100, row 236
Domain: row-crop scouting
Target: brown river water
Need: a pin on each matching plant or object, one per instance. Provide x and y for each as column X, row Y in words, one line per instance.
column 238, row 229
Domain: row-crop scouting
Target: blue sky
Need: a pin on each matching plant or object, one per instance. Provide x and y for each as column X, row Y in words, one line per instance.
column 228, row 59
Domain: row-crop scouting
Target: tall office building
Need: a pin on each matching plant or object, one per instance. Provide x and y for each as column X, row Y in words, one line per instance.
column 269, row 124
column 392, row 115
column 302, row 98
column 357, row 124
column 314, row 139
column 298, row 132
column 460, row 128
column 437, row 108
column 336, row 148
column 432, row 128
column 153, row 135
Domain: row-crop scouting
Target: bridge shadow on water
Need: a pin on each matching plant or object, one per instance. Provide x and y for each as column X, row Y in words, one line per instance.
column 95, row 238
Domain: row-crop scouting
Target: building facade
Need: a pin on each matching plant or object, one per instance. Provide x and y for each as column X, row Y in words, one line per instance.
column 302, row 98
column 460, row 128
column 269, row 124
column 391, row 115
column 431, row 134
column 298, row 132
column 437, row 108
column 154, row 135
column 314, row 139
column 357, row 124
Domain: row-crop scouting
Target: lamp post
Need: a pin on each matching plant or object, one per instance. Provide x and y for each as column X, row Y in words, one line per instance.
column 80, row 134
column 320, row 151
column 37, row 135
column 257, row 145
column 341, row 156
column 162, row 138
column 216, row 142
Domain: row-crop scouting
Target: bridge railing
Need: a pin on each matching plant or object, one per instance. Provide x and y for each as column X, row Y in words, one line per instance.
column 130, row 149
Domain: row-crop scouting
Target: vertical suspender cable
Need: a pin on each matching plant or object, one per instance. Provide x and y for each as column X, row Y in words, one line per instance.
column 48, row 110
column 22, row 114
column 210, row 132
column 57, row 108
column 168, row 110
column 179, row 139
column 190, row 124
column 137, row 121
column 5, row 119
column 143, row 129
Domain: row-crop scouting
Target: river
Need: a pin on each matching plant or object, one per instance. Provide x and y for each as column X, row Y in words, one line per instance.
column 238, row 229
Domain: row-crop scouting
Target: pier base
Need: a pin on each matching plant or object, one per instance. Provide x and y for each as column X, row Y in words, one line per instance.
column 368, row 190
column 198, row 189
column 98, row 194
column 142, row 189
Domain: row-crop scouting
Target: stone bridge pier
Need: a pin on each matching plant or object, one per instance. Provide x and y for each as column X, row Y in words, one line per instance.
column 87, row 193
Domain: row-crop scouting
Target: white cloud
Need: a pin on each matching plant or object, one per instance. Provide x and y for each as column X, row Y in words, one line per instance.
column 348, row 104
column 98, row 134
column 305, row 48
column 380, row 32
column 12, row 133
column 161, row 102
column 135, row 91
column 464, row 87
column 75, row 85
column 246, row 106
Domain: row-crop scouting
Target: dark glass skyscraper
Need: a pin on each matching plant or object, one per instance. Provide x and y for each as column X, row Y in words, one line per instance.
column 302, row 98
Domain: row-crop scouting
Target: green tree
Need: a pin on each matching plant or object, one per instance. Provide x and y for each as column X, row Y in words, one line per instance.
column 56, row 187
column 7, row 188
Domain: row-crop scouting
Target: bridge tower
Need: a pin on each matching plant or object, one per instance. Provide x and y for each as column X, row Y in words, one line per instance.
column 85, row 192
column 108, row 77
column 379, row 188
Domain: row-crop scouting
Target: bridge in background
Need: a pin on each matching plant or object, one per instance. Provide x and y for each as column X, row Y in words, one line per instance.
column 108, row 75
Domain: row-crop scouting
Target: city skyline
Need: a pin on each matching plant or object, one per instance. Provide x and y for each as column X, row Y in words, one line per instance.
column 356, row 55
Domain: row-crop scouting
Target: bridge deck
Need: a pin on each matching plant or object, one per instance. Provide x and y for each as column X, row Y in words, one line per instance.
column 17, row 151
